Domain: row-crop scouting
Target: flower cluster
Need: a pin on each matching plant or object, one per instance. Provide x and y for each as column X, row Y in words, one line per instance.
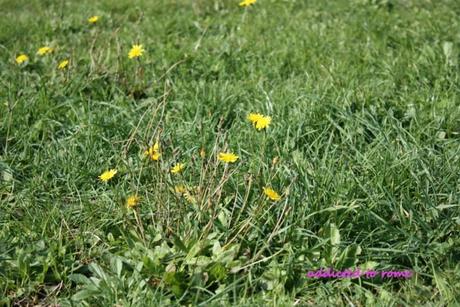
column 45, row 50
column 258, row 120
column 42, row 51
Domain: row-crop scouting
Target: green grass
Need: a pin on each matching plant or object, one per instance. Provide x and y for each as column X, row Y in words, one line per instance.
column 365, row 133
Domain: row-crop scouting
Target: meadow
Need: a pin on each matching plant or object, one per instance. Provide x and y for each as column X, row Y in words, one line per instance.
column 207, row 153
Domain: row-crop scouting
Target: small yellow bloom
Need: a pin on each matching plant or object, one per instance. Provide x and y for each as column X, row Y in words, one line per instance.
column 136, row 51
column 254, row 117
column 272, row 194
column 180, row 189
column 107, row 175
column 22, row 58
column 63, row 64
column 247, row 2
column 93, row 19
column 177, row 168
column 155, row 156
column 153, row 152
column 44, row 50
column 202, row 153
column 227, row 157
column 263, row 123
column 259, row 121
column 132, row 201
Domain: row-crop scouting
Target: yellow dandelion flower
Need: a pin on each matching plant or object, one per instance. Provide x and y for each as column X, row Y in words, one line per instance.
column 254, row 117
column 155, row 156
column 22, row 58
column 107, row 175
column 136, row 51
column 259, row 121
column 270, row 193
column 177, row 168
column 227, row 157
column 202, row 153
column 247, row 2
column 132, row 201
column 93, row 19
column 44, row 50
column 63, row 64
column 263, row 123
column 153, row 152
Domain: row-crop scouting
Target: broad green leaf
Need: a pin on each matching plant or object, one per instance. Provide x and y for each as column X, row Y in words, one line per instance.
column 80, row 279
column 335, row 234
column 83, row 294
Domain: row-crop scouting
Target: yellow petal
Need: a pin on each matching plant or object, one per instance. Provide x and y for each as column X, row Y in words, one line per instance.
column 227, row 157
column 177, row 168
column 107, row 175
column 271, row 194
column 22, row 58
column 132, row 201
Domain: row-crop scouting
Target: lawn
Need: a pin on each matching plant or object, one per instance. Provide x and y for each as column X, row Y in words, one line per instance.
column 175, row 152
